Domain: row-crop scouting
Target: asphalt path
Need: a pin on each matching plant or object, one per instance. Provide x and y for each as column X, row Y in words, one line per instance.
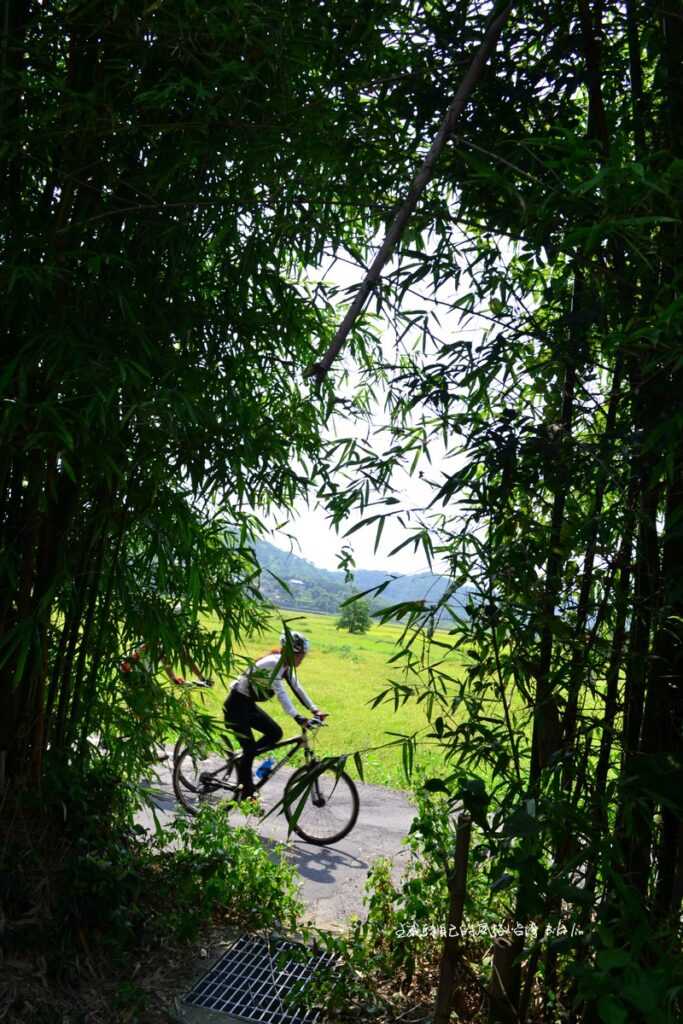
column 332, row 877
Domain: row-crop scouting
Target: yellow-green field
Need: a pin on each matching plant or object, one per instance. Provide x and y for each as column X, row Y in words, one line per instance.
column 342, row 673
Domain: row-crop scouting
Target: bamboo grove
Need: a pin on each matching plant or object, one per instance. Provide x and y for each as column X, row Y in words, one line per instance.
column 169, row 180
column 559, row 499
column 160, row 172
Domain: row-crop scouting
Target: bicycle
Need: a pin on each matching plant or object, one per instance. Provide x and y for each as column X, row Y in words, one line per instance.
column 315, row 792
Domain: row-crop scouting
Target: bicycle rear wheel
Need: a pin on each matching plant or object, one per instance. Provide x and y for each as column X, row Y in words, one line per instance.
column 200, row 778
column 181, row 745
column 320, row 804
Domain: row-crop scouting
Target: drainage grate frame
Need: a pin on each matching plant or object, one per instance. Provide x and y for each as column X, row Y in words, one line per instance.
column 253, row 982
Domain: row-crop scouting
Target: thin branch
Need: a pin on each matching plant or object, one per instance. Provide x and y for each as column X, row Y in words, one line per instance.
column 320, row 369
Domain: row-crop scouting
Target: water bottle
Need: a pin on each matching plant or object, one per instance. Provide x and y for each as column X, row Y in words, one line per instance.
column 265, row 767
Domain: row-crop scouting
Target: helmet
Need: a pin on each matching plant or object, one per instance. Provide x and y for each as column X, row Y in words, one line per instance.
column 297, row 642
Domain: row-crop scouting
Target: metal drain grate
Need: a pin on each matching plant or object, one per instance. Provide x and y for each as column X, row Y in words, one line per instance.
column 254, row 981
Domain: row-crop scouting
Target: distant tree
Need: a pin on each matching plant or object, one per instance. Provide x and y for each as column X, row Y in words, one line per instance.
column 355, row 617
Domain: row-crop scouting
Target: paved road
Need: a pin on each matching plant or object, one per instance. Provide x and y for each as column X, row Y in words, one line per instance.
column 333, row 877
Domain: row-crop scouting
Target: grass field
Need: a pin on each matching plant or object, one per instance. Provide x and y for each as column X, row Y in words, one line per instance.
column 342, row 674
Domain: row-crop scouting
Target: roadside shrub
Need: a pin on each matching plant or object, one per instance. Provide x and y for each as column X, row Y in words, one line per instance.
column 225, row 872
column 381, row 956
column 89, row 803
column 80, row 877
column 394, row 953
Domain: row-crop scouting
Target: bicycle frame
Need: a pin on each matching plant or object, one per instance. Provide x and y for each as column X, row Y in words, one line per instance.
column 295, row 742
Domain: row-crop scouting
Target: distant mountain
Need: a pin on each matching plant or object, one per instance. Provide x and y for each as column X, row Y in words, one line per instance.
column 323, row 590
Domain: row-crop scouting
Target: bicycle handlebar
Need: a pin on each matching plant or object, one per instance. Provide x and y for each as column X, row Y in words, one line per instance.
column 312, row 723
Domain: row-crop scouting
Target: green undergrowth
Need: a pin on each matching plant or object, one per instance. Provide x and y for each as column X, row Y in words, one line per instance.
column 388, row 962
column 388, row 965
column 82, row 891
column 79, row 883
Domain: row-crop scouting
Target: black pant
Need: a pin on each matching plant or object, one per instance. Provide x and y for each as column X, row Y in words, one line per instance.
column 242, row 714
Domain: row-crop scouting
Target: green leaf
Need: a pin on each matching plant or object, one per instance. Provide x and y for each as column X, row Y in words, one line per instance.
column 572, row 893
column 472, row 793
column 407, row 757
column 378, row 536
column 608, row 959
column 612, row 1010
column 363, row 522
column 520, row 823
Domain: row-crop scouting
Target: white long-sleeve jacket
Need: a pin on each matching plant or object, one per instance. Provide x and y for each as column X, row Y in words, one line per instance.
column 269, row 676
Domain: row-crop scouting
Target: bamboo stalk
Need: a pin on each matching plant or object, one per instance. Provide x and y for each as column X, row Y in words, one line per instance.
column 457, row 887
column 579, row 653
column 103, row 622
column 79, row 668
column 546, row 735
column 504, row 975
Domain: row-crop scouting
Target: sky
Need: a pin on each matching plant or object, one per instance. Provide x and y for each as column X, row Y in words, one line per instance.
column 310, row 536
column 308, row 533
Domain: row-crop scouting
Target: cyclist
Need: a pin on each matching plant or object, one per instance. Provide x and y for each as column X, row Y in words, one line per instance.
column 138, row 658
column 136, row 697
column 266, row 677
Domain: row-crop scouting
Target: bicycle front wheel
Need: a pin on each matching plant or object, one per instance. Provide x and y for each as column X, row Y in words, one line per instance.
column 321, row 804
column 200, row 778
